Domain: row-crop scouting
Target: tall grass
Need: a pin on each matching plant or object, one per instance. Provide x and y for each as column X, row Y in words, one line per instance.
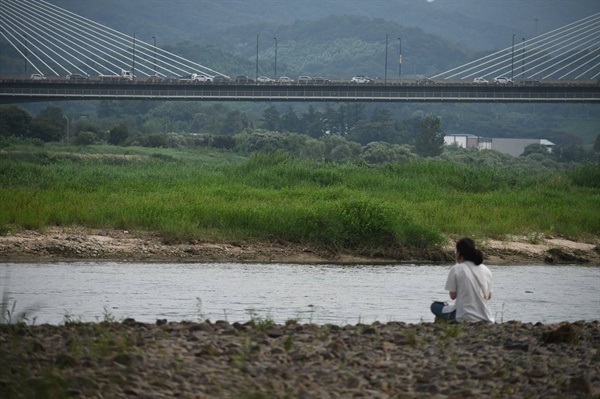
column 216, row 195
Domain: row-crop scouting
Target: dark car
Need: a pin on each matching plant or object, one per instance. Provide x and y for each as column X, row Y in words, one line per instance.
column 244, row 79
column 76, row 76
column 221, row 79
column 320, row 80
column 426, row 81
column 154, row 79
column 304, row 80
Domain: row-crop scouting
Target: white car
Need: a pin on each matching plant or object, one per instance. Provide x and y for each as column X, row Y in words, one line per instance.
column 285, row 79
column 37, row 76
column 503, row 80
column 360, row 79
column 264, row 79
column 480, row 80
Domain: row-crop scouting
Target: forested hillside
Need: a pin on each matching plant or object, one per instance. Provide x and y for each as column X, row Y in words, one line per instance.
column 479, row 25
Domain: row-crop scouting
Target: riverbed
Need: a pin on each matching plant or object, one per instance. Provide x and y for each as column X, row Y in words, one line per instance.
column 322, row 294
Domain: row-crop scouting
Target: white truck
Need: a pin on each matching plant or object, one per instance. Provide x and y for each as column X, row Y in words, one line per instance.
column 195, row 77
column 125, row 75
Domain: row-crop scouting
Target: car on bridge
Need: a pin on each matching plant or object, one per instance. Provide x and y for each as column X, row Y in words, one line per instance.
column 76, row 76
column 221, row 79
column 320, row 80
column 196, row 77
column 360, row 79
column 243, row 79
column 285, row 79
column 480, row 80
column 154, row 79
column 304, row 80
column 502, row 80
column 264, row 79
column 37, row 76
column 426, row 81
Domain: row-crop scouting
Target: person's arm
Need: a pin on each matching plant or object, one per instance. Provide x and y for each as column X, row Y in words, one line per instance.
column 452, row 294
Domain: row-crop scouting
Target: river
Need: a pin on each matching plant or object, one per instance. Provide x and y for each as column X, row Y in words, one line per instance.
column 337, row 294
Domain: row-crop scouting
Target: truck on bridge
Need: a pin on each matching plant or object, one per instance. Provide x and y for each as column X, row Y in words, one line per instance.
column 125, row 75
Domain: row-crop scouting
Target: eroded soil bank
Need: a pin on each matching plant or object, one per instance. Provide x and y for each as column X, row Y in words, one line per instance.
column 263, row 360
column 58, row 244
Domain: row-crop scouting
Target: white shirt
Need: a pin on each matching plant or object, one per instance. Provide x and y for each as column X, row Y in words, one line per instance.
column 470, row 304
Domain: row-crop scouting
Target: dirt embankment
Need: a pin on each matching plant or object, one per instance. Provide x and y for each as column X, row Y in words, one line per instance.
column 65, row 244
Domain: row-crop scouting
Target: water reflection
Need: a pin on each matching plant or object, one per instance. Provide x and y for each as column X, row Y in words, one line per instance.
column 310, row 293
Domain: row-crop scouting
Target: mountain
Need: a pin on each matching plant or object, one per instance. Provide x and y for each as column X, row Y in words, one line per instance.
column 475, row 24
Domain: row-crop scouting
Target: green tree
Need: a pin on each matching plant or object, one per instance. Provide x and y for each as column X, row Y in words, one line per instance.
column 54, row 114
column 236, row 122
column 290, row 121
column 14, row 121
column 45, row 130
column 312, row 121
column 85, row 138
column 271, row 119
column 430, row 141
column 381, row 115
column 535, row 149
column 379, row 153
column 118, row 134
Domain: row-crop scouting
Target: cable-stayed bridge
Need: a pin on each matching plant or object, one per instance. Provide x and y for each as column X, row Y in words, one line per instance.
column 57, row 42
column 570, row 52
column 73, row 58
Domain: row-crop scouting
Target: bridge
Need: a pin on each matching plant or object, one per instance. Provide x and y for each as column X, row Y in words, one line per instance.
column 56, row 90
column 74, row 58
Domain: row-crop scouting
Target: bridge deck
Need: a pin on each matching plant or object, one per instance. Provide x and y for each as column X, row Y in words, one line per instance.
column 53, row 90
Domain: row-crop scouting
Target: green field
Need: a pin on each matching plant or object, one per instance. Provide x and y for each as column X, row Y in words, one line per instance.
column 212, row 195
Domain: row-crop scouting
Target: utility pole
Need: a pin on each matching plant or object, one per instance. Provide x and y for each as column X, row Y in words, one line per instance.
column 512, row 63
column 386, row 60
column 399, row 59
column 257, row 35
column 275, row 77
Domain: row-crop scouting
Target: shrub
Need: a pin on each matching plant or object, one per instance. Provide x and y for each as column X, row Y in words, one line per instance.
column 587, row 175
column 85, row 138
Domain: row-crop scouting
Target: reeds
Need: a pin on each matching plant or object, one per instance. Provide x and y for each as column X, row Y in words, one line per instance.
column 218, row 195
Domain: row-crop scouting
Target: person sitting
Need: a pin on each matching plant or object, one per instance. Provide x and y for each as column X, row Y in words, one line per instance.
column 469, row 283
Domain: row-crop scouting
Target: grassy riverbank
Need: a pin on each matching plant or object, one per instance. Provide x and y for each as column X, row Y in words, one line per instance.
column 208, row 195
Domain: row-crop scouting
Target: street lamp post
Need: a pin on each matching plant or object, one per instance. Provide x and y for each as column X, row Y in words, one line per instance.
column 257, row 35
column 153, row 38
column 275, row 77
column 512, row 62
column 399, row 59
column 386, row 60
column 133, row 57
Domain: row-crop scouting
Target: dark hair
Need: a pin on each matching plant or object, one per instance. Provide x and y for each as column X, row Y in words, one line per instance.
column 466, row 247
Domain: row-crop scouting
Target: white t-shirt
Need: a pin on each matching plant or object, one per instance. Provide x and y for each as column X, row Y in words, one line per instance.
column 470, row 304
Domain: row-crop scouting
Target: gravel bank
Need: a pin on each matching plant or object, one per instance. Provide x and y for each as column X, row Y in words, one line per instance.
column 262, row 360
column 76, row 243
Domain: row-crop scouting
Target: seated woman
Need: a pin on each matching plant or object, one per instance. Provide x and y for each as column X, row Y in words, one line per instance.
column 470, row 285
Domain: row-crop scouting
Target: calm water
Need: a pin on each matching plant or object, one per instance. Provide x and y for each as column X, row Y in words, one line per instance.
column 311, row 293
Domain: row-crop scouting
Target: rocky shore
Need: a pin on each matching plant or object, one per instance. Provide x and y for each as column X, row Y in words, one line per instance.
column 259, row 359
column 74, row 243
